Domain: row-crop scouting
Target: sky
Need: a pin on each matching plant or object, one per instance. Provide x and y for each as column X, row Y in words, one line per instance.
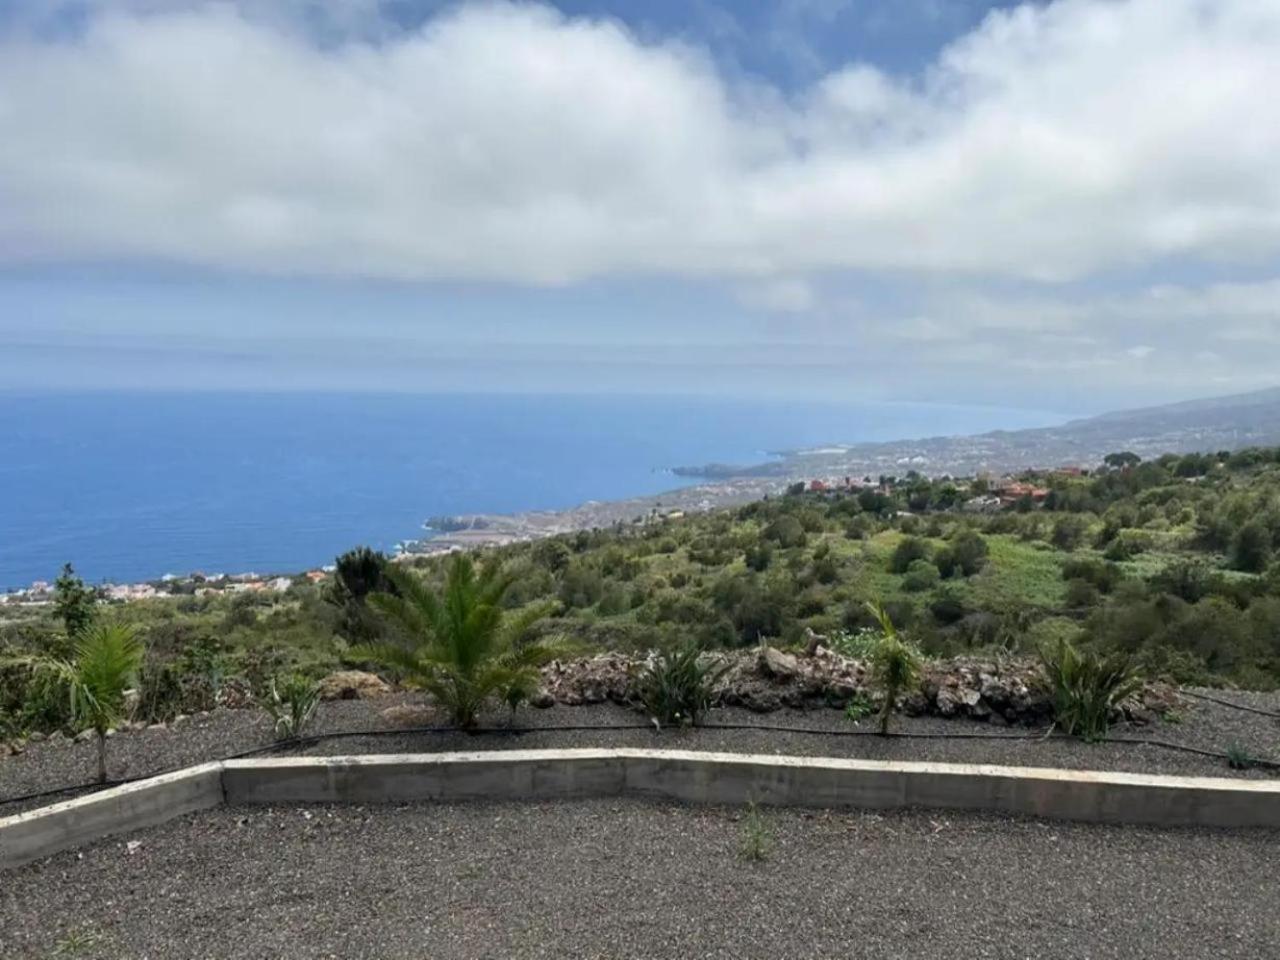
column 1069, row 205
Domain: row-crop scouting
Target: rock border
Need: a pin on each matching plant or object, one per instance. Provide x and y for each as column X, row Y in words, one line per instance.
column 687, row 776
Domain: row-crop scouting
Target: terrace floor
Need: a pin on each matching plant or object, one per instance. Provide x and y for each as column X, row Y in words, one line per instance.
column 629, row 879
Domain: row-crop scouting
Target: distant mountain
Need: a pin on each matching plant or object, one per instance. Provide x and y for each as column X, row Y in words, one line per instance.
column 1217, row 423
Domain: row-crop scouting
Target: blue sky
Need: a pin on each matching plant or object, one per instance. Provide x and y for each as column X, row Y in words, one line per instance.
column 1071, row 205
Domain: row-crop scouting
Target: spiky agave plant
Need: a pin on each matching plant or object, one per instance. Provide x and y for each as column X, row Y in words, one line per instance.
column 677, row 686
column 291, row 703
column 895, row 665
column 1086, row 687
column 106, row 659
column 459, row 644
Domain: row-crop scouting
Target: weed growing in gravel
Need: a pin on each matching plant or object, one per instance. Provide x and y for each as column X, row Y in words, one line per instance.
column 291, row 705
column 677, row 686
column 1238, row 758
column 859, row 707
column 757, row 836
column 1087, row 687
column 76, row 944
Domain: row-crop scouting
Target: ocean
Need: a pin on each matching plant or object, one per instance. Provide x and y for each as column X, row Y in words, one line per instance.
column 130, row 486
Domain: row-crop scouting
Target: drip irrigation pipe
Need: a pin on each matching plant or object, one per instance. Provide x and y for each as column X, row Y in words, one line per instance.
column 1233, row 706
column 303, row 742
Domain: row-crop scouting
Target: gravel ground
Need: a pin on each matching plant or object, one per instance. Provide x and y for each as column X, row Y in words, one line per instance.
column 629, row 879
column 1205, row 725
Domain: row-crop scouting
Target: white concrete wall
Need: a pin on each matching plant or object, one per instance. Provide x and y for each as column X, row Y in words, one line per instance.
column 685, row 776
column 74, row 823
column 702, row 777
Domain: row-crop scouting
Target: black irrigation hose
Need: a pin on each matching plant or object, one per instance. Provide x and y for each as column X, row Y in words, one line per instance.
column 1228, row 703
column 294, row 744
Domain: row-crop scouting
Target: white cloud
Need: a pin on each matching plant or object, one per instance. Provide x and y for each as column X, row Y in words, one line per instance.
column 511, row 143
column 779, row 296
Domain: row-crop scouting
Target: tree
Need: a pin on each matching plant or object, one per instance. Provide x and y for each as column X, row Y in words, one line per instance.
column 74, row 602
column 786, row 532
column 459, row 645
column 357, row 574
column 970, row 551
column 1251, row 548
column 1118, row 461
column 908, row 550
column 105, row 664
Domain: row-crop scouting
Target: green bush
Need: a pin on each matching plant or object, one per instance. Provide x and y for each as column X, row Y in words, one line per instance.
column 970, row 551
column 1086, row 687
column 1251, row 548
column 676, row 687
column 786, row 532
column 291, row 704
column 921, row 575
column 908, row 550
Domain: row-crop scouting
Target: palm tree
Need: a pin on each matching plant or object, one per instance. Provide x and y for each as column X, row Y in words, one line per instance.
column 460, row 645
column 894, row 664
column 105, row 664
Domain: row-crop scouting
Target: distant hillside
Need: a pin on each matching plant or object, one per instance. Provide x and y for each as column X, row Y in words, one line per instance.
column 1218, row 423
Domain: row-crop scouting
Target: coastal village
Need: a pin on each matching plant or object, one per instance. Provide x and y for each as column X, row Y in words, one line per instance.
column 984, row 493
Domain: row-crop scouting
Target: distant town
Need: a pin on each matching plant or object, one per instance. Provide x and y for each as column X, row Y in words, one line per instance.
column 980, row 494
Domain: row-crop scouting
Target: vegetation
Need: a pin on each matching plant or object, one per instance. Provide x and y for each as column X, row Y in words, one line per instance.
column 459, row 645
column 1238, row 758
column 1171, row 562
column 105, row 665
column 757, row 836
column 1087, row 688
column 291, row 704
column 676, row 687
column 895, row 666
column 73, row 601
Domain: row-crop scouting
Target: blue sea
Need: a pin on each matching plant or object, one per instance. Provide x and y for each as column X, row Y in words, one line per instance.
column 130, row 486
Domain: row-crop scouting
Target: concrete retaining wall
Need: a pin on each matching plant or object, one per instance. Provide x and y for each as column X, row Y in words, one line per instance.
column 686, row 776
column 701, row 777
column 74, row 823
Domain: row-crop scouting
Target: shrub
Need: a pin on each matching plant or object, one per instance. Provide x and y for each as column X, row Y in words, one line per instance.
column 460, row 645
column 1238, row 758
column 291, row 705
column 160, row 692
column 970, row 551
column 1102, row 575
column 758, row 556
column 1081, row 594
column 908, row 550
column 921, row 575
column 945, row 561
column 895, row 665
column 859, row 707
column 1251, row 548
column 757, row 836
column 1068, row 532
column 1086, row 687
column 786, row 532
column 677, row 686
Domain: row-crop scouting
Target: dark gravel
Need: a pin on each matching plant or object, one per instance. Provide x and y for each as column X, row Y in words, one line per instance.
column 626, row 879
column 1204, row 725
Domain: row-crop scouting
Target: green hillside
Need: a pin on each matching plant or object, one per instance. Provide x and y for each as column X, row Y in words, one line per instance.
column 1169, row 560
